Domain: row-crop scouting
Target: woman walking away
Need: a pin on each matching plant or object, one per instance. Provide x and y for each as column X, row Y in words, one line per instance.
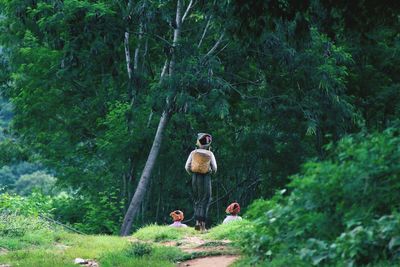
column 201, row 164
column 233, row 211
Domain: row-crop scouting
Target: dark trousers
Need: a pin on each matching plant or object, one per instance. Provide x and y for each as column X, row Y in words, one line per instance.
column 201, row 185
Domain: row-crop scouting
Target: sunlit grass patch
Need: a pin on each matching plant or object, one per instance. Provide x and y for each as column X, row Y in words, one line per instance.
column 18, row 232
column 46, row 247
column 171, row 254
column 159, row 233
column 142, row 254
column 35, row 258
column 229, row 230
column 92, row 247
column 120, row 260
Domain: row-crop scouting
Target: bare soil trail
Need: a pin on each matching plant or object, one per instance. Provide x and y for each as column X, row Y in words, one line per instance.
column 207, row 253
column 217, row 261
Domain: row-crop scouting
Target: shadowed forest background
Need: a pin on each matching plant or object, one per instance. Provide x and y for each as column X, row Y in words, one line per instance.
column 301, row 97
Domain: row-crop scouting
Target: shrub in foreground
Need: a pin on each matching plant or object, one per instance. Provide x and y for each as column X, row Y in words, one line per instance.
column 340, row 211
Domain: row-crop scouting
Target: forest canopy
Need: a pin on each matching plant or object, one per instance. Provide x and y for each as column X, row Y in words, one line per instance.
column 90, row 90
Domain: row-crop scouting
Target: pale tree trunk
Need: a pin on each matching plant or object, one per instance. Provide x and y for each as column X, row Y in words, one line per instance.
column 177, row 33
column 140, row 192
column 132, row 75
column 127, row 55
column 141, row 189
column 137, row 50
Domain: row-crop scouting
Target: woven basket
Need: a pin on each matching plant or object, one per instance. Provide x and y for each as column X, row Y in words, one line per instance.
column 200, row 162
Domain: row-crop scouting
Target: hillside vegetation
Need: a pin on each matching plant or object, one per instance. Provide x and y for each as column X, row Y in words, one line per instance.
column 32, row 242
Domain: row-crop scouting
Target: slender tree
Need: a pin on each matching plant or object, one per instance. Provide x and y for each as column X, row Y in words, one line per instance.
column 140, row 192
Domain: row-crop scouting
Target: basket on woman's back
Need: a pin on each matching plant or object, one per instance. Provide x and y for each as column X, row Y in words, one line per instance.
column 200, row 161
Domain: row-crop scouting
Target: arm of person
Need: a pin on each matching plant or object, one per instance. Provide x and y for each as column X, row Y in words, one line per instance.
column 213, row 163
column 189, row 163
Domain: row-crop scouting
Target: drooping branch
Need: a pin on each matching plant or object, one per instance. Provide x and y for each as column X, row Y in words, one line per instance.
column 212, row 50
column 204, row 32
column 187, row 10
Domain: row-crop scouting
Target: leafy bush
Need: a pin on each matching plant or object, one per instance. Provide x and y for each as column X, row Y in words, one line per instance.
column 20, row 231
column 339, row 210
column 31, row 205
column 357, row 245
column 90, row 215
column 14, row 225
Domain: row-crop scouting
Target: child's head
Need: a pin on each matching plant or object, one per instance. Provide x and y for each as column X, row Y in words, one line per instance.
column 233, row 209
column 204, row 140
column 177, row 215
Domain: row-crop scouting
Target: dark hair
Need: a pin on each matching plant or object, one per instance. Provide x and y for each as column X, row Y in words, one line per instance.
column 203, row 141
column 177, row 212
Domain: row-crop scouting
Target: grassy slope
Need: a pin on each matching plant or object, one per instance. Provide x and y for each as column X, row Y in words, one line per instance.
column 43, row 245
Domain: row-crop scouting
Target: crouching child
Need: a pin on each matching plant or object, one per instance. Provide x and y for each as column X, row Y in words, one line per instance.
column 233, row 211
column 177, row 217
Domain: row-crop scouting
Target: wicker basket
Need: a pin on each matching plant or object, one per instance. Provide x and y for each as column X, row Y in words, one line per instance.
column 200, row 162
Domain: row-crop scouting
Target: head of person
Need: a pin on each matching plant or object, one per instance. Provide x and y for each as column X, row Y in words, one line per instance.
column 204, row 140
column 233, row 209
column 177, row 215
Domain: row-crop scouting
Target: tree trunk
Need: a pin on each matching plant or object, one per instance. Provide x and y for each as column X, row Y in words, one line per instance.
column 140, row 192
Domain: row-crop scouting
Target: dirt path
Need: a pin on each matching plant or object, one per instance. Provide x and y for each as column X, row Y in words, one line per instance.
column 217, row 261
column 209, row 253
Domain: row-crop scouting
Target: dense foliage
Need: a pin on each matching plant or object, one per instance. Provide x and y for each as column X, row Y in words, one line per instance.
column 344, row 209
column 83, row 88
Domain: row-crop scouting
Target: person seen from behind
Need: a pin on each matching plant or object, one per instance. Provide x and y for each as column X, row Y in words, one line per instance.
column 201, row 164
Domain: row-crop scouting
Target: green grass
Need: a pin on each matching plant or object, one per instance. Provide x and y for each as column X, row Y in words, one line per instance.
column 171, row 254
column 229, row 230
column 31, row 242
column 155, row 256
column 157, row 233
column 36, row 257
column 18, row 232
column 107, row 250
column 39, row 245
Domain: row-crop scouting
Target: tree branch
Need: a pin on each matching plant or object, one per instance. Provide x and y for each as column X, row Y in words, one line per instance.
column 164, row 70
column 204, row 32
column 187, row 10
column 127, row 55
column 215, row 46
column 233, row 188
column 137, row 50
column 177, row 32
